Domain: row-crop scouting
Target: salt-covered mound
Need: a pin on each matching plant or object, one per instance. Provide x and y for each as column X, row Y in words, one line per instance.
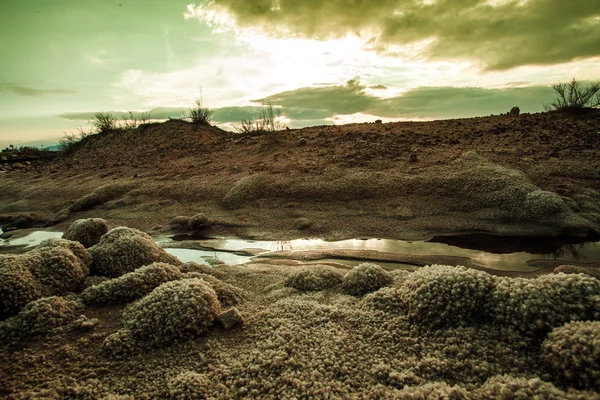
column 508, row 191
column 365, row 278
column 188, row 385
column 55, row 267
column 17, row 288
column 314, row 278
column 572, row 353
column 199, row 222
column 173, row 312
column 433, row 391
column 574, row 269
column 510, row 387
column 40, row 317
column 202, row 269
column 86, row 231
column 440, row 295
column 131, row 286
column 100, row 196
column 228, row 294
column 59, row 272
column 124, row 250
column 536, row 306
column 83, row 255
column 389, row 299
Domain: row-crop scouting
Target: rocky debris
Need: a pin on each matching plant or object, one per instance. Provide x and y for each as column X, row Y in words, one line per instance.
column 231, row 318
column 302, row 141
column 86, row 231
column 198, row 222
column 100, row 196
column 302, row 224
column 124, row 250
column 24, row 220
column 413, row 156
column 515, row 111
column 180, row 223
column 60, row 216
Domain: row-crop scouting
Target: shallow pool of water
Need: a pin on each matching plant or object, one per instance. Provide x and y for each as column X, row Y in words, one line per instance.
column 31, row 239
column 512, row 261
column 201, row 256
column 515, row 261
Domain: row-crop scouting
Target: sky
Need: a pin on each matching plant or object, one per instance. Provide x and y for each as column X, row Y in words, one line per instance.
column 318, row 62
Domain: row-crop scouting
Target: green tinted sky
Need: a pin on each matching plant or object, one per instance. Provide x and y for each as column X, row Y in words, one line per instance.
column 322, row 61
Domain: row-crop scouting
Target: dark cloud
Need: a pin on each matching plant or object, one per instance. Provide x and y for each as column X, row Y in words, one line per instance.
column 509, row 34
column 29, row 91
column 423, row 102
column 318, row 105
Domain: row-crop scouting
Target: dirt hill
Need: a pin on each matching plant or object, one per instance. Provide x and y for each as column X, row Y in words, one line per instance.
column 532, row 174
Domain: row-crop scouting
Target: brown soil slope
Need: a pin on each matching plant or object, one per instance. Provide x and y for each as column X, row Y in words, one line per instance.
column 532, row 174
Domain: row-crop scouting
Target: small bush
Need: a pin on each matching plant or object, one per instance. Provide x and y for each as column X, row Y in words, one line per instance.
column 131, row 286
column 104, row 122
column 267, row 122
column 71, row 141
column 314, row 278
column 573, row 353
column 575, row 96
column 199, row 114
column 365, row 278
column 174, row 311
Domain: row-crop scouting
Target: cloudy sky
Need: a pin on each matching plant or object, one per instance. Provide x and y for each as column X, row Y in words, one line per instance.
column 320, row 62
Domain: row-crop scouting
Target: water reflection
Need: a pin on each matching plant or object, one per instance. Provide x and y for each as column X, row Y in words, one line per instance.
column 30, row 240
column 201, row 256
column 513, row 261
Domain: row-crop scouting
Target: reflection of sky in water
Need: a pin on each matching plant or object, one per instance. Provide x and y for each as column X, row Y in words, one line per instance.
column 198, row 256
column 587, row 252
column 32, row 239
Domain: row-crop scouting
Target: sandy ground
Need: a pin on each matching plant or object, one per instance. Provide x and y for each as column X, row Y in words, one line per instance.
column 322, row 344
